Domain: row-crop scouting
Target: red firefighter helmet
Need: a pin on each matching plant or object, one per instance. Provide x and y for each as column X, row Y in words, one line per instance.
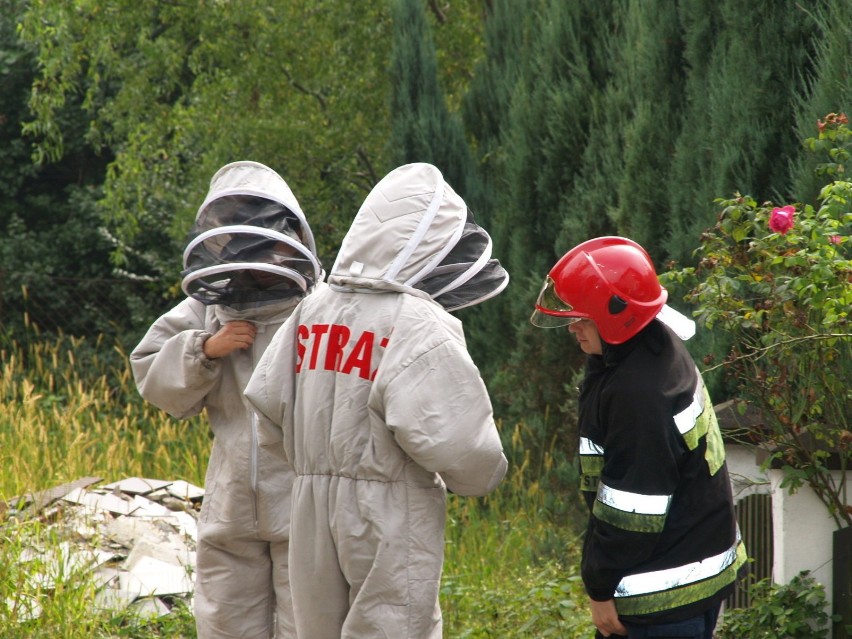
column 609, row 280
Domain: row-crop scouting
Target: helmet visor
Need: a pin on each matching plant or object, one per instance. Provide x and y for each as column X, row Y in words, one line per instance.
column 550, row 310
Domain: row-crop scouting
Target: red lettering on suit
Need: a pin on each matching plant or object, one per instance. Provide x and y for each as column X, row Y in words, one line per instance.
column 317, row 330
column 343, row 353
column 302, row 335
column 338, row 337
column 360, row 356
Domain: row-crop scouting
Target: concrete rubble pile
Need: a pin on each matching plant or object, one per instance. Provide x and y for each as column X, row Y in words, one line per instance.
column 135, row 538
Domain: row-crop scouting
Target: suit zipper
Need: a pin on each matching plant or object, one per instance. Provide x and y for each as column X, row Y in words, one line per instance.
column 253, row 463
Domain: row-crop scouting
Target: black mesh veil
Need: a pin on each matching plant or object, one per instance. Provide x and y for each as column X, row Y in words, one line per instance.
column 467, row 275
column 246, row 251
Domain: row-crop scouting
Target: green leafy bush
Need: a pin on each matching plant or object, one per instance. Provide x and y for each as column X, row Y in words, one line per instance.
column 792, row 611
column 778, row 281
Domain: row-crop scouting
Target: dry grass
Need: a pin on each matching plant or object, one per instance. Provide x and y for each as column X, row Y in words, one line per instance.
column 62, row 419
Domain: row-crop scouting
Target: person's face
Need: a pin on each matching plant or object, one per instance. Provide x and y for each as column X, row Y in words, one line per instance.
column 587, row 336
column 277, row 256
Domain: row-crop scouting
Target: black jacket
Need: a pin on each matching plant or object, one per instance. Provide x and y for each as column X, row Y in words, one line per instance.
column 653, row 474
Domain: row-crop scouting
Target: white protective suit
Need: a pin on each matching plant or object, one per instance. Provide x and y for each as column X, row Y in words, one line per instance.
column 381, row 410
column 241, row 582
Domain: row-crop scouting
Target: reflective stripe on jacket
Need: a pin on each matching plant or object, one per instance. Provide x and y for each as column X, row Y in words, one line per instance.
column 662, row 537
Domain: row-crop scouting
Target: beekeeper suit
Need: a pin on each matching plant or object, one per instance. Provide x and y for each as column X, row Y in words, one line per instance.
column 249, row 260
column 381, row 410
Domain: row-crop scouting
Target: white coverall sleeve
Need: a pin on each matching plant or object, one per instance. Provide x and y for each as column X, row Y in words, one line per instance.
column 440, row 413
column 169, row 365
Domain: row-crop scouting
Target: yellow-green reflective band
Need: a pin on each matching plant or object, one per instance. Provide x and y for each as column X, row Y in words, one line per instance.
column 705, row 424
column 590, row 472
column 591, row 464
column 589, row 483
column 634, row 522
column 631, row 511
column 715, row 453
column 685, row 420
column 680, row 596
column 659, row 580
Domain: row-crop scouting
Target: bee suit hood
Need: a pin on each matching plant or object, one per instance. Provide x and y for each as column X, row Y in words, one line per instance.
column 251, row 244
column 414, row 234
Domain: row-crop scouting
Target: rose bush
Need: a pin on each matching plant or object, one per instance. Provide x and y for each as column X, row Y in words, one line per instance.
column 778, row 279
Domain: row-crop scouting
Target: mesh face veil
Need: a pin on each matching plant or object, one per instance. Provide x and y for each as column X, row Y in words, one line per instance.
column 467, row 275
column 246, row 251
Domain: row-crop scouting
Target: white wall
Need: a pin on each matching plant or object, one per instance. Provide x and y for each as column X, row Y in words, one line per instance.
column 746, row 476
column 802, row 528
column 803, row 532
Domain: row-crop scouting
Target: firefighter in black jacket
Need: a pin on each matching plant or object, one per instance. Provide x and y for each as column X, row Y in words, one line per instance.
column 662, row 548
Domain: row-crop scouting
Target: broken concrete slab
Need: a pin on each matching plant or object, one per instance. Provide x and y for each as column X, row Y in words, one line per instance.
column 30, row 504
column 185, row 491
column 168, row 549
column 126, row 531
column 96, row 501
column 114, row 599
column 137, row 485
column 153, row 577
column 135, row 539
column 150, row 607
column 147, row 508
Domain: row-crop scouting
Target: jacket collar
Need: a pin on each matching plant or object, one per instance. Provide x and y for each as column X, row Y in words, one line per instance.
column 652, row 336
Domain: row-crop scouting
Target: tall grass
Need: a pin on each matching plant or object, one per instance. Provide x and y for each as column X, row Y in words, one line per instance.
column 69, row 409
column 511, row 557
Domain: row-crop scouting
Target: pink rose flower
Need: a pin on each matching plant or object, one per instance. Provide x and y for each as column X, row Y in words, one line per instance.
column 781, row 219
column 835, row 239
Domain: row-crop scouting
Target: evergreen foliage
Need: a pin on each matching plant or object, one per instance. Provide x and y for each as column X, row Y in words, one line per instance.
column 829, row 81
column 422, row 127
column 547, row 130
column 690, row 191
column 743, row 104
column 653, row 78
column 509, row 27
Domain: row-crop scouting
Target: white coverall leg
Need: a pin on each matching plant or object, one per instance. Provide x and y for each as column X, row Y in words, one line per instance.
column 372, row 590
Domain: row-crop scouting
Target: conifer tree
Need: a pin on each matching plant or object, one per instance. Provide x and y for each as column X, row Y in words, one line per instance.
column 595, row 194
column 746, row 63
column 654, row 77
column 830, row 91
column 509, row 27
column 690, row 192
column 548, row 130
column 743, row 108
column 422, row 127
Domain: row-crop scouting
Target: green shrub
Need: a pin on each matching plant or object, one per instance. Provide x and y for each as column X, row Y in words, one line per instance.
column 776, row 281
column 792, row 611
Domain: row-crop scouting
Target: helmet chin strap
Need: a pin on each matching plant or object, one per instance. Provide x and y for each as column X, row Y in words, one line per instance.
column 682, row 326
